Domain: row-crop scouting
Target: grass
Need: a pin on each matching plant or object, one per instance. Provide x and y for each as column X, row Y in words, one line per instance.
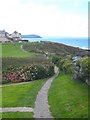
column 0, row 50
column 6, row 62
column 13, row 55
column 9, row 50
column 21, row 95
column 68, row 98
column 17, row 115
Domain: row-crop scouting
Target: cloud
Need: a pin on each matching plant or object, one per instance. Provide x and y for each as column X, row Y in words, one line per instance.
column 85, row 48
column 45, row 20
column 76, row 3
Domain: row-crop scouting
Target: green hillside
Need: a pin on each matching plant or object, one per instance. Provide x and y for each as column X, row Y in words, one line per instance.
column 52, row 48
column 11, row 50
column 67, row 98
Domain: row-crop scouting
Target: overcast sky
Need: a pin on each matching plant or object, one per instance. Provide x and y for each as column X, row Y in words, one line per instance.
column 45, row 17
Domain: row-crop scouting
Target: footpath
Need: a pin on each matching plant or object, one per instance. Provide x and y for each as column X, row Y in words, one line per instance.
column 41, row 109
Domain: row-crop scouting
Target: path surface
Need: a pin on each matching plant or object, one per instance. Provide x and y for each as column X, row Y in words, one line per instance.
column 41, row 109
column 16, row 109
column 22, row 48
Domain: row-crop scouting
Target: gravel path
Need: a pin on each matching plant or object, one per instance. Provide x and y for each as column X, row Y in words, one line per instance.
column 22, row 48
column 16, row 109
column 41, row 109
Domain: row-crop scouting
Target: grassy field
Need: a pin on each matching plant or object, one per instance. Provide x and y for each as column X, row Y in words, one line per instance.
column 68, row 98
column 13, row 55
column 9, row 50
column 0, row 50
column 17, row 115
column 21, row 95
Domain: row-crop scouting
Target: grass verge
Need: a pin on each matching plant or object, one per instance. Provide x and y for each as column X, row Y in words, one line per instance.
column 21, row 95
column 68, row 98
column 17, row 115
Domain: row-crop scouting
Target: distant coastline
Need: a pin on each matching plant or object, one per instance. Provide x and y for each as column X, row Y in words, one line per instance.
column 31, row 36
column 75, row 42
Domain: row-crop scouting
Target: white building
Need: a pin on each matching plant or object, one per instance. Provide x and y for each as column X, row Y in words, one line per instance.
column 6, row 37
column 16, row 36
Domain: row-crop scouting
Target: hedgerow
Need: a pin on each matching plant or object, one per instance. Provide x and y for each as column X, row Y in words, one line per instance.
column 27, row 73
column 79, row 70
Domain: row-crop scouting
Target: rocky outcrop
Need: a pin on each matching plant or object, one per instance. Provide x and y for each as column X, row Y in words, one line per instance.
column 81, row 71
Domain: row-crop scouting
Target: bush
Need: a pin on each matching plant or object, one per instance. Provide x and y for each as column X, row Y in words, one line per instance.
column 61, row 63
column 55, row 60
column 27, row 73
column 68, row 67
column 64, row 65
column 80, row 70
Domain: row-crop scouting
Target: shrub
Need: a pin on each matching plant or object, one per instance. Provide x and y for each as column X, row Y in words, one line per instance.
column 64, row 65
column 80, row 70
column 55, row 60
column 27, row 73
column 68, row 67
column 61, row 63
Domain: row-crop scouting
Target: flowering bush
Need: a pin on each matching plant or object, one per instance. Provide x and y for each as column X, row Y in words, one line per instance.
column 26, row 73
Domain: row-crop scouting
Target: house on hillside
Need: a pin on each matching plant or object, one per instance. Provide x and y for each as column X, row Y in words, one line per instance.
column 15, row 36
column 4, row 36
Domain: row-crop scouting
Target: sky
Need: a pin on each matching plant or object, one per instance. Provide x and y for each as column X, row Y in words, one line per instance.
column 45, row 17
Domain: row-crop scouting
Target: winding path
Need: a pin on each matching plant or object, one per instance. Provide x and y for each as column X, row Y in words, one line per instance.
column 41, row 109
column 22, row 48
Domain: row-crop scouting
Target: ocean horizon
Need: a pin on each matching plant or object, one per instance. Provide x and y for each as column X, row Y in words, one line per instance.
column 75, row 42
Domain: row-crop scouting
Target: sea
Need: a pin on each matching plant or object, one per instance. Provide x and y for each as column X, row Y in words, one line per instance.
column 75, row 42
